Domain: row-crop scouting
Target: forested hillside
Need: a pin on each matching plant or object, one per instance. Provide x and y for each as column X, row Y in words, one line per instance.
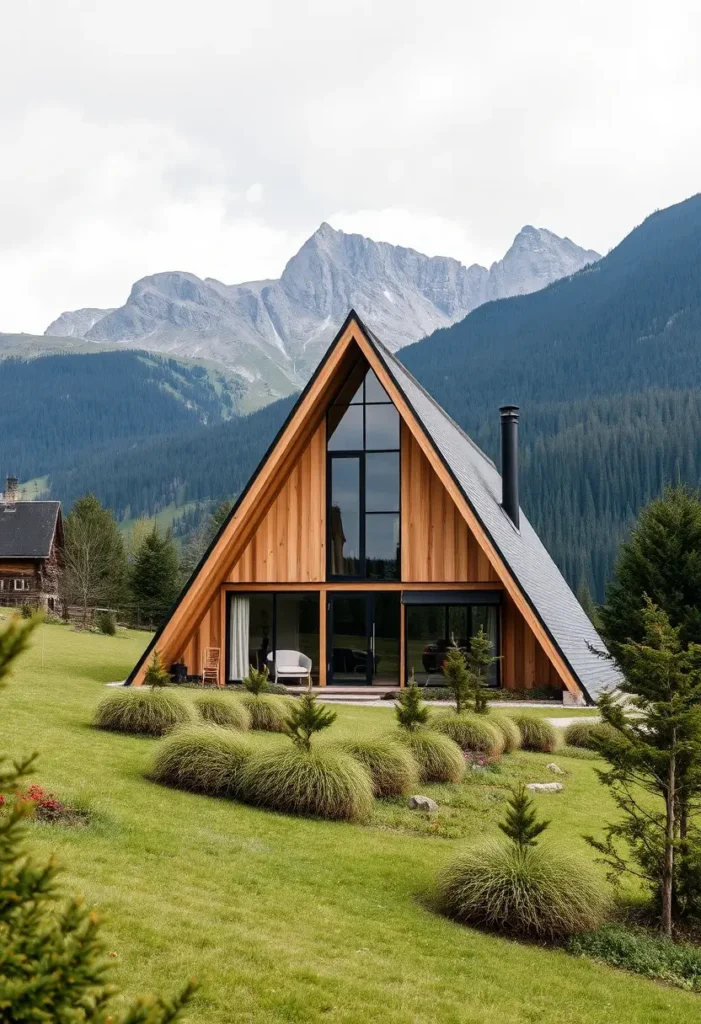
column 606, row 367
column 59, row 409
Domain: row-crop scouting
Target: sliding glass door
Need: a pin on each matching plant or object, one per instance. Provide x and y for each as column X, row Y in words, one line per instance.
column 261, row 623
column 363, row 639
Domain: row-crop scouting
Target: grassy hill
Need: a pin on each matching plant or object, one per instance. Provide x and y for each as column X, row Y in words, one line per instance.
column 283, row 919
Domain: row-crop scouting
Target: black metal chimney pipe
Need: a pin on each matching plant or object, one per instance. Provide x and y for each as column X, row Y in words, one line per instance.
column 509, row 461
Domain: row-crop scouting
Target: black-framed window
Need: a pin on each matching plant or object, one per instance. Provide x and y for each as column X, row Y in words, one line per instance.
column 258, row 623
column 432, row 628
column 363, row 481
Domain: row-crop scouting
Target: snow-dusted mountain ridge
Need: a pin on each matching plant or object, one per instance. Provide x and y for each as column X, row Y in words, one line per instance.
column 273, row 333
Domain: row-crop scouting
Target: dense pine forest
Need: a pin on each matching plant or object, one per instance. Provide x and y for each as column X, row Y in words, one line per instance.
column 605, row 365
column 57, row 409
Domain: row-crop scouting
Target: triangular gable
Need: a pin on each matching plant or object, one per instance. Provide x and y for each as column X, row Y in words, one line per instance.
column 430, row 428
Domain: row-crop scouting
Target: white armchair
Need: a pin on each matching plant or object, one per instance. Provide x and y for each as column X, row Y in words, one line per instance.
column 290, row 665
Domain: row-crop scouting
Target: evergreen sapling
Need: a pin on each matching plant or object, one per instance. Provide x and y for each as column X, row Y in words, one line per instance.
column 410, row 709
column 307, row 717
column 156, row 674
column 521, row 824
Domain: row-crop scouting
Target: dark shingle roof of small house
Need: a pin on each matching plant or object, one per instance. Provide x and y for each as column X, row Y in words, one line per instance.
column 540, row 580
column 27, row 528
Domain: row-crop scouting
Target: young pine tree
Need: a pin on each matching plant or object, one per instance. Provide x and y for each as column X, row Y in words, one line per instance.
column 479, row 660
column 52, row 958
column 307, row 717
column 256, row 682
column 521, row 824
column 156, row 674
column 654, row 767
column 410, row 709
column 457, row 677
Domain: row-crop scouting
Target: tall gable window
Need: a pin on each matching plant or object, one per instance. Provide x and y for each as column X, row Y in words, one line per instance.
column 363, row 481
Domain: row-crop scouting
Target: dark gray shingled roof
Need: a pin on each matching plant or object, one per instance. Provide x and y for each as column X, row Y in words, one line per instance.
column 540, row 580
column 27, row 528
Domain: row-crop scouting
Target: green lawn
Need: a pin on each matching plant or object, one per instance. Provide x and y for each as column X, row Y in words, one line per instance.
column 283, row 919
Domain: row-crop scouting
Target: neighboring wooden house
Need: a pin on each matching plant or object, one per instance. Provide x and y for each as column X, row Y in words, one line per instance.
column 31, row 546
column 374, row 532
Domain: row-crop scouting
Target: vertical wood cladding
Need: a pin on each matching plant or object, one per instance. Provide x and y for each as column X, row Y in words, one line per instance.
column 524, row 665
column 289, row 546
column 437, row 544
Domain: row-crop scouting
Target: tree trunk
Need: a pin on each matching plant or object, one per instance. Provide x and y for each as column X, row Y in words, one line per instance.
column 668, row 870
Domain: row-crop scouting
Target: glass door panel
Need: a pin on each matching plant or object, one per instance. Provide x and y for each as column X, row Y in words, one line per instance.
column 363, row 638
column 348, row 639
column 385, row 639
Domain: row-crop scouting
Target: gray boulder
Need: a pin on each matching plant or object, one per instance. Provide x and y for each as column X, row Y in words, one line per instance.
column 422, row 803
column 545, row 787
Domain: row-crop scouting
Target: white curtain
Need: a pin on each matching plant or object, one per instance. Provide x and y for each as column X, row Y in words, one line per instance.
column 238, row 638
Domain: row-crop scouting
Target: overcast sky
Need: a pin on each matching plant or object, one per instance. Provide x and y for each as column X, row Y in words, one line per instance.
column 142, row 135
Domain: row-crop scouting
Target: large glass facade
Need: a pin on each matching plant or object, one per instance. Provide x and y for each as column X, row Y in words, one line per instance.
column 364, row 639
column 432, row 628
column 364, row 481
column 260, row 624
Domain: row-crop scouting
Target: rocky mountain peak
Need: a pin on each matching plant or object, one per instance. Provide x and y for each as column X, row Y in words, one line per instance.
column 273, row 333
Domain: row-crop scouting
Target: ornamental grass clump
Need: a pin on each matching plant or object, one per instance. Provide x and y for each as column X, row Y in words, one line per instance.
column 223, row 709
column 438, row 757
column 508, row 729
column 203, row 759
column 471, row 732
column 392, row 767
column 519, row 888
column 142, row 711
column 588, row 734
column 536, row 733
column 324, row 782
column 267, row 712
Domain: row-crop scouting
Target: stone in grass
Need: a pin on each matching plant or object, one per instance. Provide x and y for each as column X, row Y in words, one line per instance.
column 545, row 787
column 422, row 803
column 555, row 768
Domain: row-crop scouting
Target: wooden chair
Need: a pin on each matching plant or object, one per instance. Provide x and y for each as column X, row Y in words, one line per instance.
column 210, row 667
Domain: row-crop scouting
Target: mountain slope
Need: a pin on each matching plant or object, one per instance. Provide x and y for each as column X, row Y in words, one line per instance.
column 605, row 365
column 273, row 333
column 61, row 410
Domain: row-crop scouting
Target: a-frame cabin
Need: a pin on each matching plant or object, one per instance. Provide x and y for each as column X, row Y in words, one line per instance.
column 373, row 532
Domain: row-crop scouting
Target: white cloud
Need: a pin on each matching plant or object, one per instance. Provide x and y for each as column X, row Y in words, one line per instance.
column 149, row 135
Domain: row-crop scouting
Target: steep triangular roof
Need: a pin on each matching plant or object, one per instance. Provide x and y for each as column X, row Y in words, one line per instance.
column 521, row 549
column 528, row 572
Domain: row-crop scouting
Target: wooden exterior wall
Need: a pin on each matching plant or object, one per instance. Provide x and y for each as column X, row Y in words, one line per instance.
column 524, row 665
column 437, row 544
column 277, row 540
column 289, row 546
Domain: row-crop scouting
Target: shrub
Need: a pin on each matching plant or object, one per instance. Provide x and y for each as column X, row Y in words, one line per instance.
column 256, row 681
column 267, row 711
column 392, row 767
column 438, row 757
column 324, row 782
column 156, row 673
column 529, row 892
column 587, row 733
column 536, row 733
column 106, row 623
column 204, row 759
column 471, row 732
column 410, row 710
column 652, row 955
column 508, row 729
column 223, row 709
column 143, row 711
column 307, row 716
